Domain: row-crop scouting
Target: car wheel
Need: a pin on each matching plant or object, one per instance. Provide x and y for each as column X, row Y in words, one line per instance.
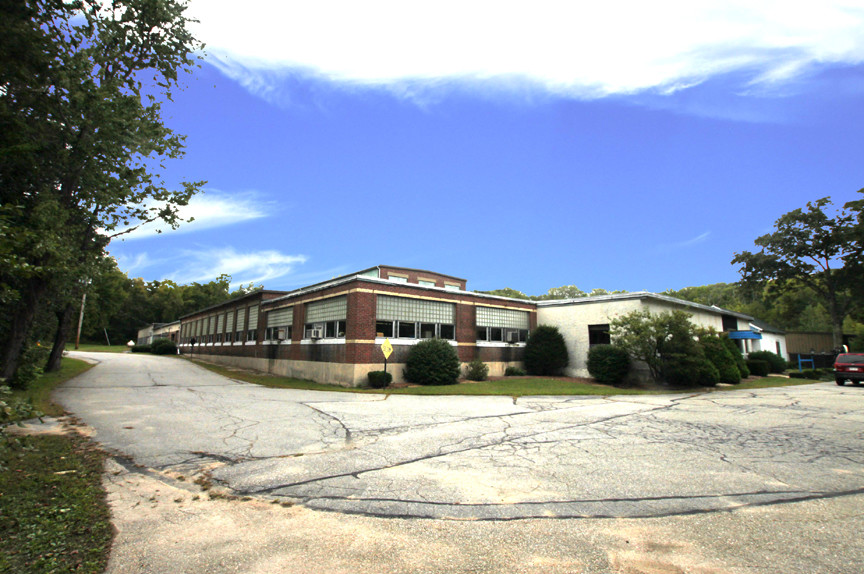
column 841, row 382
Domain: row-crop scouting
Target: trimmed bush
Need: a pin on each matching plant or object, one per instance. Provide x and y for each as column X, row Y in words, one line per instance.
column 477, row 371
column 545, row 351
column 163, row 347
column 608, row 364
column 758, row 368
column 689, row 370
column 812, row 374
column 432, row 362
column 733, row 349
column 776, row 363
column 721, row 358
column 141, row 349
column 797, row 375
column 379, row 379
column 514, row 372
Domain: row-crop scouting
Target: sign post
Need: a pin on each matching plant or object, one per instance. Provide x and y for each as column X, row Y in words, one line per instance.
column 387, row 349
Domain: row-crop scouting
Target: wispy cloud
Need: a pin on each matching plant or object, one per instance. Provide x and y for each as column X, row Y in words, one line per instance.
column 212, row 208
column 686, row 243
column 256, row 267
column 576, row 49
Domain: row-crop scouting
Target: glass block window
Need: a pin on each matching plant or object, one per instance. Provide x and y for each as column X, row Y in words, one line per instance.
column 495, row 317
column 426, row 283
column 220, row 322
column 241, row 318
column 327, row 310
column 229, row 321
column 212, row 320
column 253, row 317
column 280, row 317
column 405, row 309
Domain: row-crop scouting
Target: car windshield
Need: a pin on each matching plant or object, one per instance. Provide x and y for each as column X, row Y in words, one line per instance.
column 850, row 359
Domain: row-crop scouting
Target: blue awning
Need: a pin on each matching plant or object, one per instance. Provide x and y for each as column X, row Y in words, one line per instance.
column 744, row 335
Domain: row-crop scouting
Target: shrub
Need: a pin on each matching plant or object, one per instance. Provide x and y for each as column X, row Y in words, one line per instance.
column 608, row 364
column 477, row 371
column 797, row 375
column 689, row 370
column 141, row 349
column 721, row 358
column 514, row 372
column 776, row 363
column 733, row 349
column 812, row 374
column 432, row 362
column 545, row 351
column 379, row 379
column 163, row 347
column 30, row 367
column 758, row 368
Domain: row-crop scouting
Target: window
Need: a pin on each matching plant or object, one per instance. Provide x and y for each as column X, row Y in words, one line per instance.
column 502, row 325
column 426, row 283
column 384, row 328
column 252, row 327
column 599, row 335
column 409, row 318
column 229, row 326
column 730, row 323
column 241, row 322
column 326, row 318
column 397, row 279
column 279, row 324
column 452, row 287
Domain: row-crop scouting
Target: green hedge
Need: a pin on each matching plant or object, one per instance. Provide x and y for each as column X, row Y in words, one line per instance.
column 546, row 352
column 776, row 363
column 379, row 379
column 758, row 368
column 608, row 364
column 432, row 362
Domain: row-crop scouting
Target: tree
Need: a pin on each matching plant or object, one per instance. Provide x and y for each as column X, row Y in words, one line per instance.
column 666, row 343
column 563, row 292
column 810, row 248
column 81, row 136
column 507, row 292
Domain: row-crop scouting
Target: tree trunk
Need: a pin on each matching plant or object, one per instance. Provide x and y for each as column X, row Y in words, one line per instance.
column 20, row 325
column 64, row 322
column 836, row 322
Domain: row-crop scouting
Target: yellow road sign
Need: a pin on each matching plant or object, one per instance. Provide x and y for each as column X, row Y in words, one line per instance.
column 387, row 348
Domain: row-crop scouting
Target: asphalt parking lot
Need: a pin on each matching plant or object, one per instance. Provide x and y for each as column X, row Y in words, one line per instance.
column 739, row 481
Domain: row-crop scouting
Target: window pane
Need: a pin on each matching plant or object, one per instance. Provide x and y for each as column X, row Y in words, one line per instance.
column 407, row 330
column 495, row 317
column 496, row 334
column 389, row 308
column 598, row 335
column 427, row 330
column 482, row 334
column 330, row 329
column 448, row 332
column 384, row 328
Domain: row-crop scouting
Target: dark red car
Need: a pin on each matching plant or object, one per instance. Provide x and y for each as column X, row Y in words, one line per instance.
column 849, row 367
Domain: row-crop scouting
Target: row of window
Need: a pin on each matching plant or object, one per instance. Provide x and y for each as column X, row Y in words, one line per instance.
column 414, row 330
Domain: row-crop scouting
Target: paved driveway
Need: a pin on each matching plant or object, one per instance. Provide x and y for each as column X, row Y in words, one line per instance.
column 479, row 457
column 495, row 458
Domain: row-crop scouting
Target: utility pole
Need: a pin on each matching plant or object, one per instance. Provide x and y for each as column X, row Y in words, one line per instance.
column 81, row 320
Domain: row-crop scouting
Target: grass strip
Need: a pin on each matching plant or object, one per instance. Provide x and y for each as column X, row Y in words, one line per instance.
column 92, row 348
column 53, row 514
column 39, row 391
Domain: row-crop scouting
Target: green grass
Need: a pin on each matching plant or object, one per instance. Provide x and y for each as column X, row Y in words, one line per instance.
column 91, row 348
column 40, row 390
column 511, row 387
column 53, row 513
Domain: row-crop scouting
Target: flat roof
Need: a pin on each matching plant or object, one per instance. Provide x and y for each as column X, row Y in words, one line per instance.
column 642, row 295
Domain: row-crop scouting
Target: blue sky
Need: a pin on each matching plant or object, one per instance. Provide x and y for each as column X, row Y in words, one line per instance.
column 528, row 145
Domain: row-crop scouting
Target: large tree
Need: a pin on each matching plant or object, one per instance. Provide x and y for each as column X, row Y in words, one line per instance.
column 815, row 248
column 81, row 142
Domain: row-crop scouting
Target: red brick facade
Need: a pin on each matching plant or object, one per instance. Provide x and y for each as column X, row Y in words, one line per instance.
column 358, row 346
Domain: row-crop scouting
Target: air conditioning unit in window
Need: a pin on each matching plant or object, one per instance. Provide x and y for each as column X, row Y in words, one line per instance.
column 513, row 337
column 280, row 334
column 316, row 334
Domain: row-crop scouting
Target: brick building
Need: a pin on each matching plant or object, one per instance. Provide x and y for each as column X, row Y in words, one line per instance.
column 333, row 331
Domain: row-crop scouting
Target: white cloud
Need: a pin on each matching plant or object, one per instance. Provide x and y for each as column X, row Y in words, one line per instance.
column 688, row 242
column 256, row 267
column 580, row 49
column 212, row 208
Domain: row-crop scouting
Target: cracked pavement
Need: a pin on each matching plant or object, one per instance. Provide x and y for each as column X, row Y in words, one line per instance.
column 479, row 458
